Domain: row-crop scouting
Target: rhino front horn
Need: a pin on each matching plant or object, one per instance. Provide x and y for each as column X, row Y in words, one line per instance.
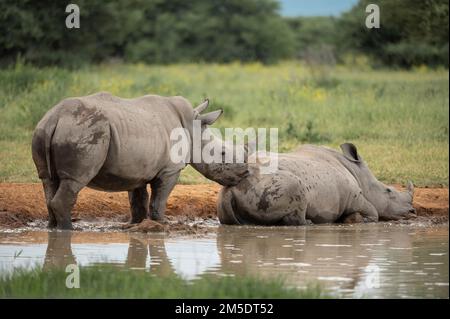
column 410, row 188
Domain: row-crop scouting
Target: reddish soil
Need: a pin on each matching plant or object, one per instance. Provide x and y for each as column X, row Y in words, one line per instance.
column 23, row 203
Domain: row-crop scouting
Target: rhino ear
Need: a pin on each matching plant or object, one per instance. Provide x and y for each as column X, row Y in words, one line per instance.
column 199, row 109
column 350, row 152
column 210, row 118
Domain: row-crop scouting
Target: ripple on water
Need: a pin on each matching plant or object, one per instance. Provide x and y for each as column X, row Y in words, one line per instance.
column 332, row 278
column 332, row 245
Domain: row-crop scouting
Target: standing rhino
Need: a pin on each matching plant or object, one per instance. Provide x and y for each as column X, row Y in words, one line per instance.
column 314, row 184
column 113, row 144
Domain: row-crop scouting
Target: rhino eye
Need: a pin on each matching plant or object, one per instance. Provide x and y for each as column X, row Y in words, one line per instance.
column 388, row 190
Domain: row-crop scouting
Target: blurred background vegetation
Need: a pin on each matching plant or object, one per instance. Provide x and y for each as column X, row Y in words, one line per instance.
column 413, row 32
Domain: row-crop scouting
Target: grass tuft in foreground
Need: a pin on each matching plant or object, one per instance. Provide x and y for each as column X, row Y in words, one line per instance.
column 110, row 282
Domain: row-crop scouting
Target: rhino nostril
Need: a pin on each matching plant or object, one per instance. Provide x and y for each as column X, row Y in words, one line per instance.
column 412, row 210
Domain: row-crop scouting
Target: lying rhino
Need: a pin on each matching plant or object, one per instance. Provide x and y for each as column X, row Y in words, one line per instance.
column 314, row 184
column 114, row 144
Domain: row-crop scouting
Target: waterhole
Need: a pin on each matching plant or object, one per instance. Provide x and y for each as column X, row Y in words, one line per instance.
column 348, row 261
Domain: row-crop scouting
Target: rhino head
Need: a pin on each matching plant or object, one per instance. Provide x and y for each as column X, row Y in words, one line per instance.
column 224, row 169
column 389, row 202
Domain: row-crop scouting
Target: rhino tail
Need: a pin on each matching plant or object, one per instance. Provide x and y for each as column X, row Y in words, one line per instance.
column 48, row 136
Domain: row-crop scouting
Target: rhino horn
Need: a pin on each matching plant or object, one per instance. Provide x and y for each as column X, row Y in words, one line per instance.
column 410, row 188
column 199, row 109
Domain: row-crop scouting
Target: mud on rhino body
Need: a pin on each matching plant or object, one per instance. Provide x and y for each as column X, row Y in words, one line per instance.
column 112, row 144
column 314, row 184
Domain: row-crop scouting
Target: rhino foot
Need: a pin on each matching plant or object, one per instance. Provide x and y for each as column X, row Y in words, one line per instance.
column 51, row 224
column 135, row 221
column 411, row 216
column 159, row 218
column 65, row 226
column 128, row 225
column 354, row 218
column 369, row 220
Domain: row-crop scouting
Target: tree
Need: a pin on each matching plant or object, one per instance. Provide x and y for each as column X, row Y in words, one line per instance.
column 152, row 31
column 411, row 33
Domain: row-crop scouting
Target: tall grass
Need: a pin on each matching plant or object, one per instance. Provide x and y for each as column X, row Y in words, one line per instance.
column 398, row 119
column 109, row 282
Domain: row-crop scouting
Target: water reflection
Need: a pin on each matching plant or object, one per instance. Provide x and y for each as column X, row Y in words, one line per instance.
column 357, row 261
column 351, row 261
column 141, row 251
column 59, row 250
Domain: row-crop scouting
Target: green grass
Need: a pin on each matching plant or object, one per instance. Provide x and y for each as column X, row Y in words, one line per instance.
column 398, row 119
column 110, row 282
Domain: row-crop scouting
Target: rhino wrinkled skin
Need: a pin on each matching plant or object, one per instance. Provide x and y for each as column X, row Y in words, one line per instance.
column 112, row 144
column 315, row 184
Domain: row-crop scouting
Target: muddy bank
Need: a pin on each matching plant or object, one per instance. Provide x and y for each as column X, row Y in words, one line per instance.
column 21, row 204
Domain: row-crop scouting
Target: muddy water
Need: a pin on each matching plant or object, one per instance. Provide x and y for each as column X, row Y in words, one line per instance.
column 373, row 261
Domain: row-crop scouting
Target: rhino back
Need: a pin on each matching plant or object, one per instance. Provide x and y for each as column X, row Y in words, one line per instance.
column 326, row 183
column 130, row 137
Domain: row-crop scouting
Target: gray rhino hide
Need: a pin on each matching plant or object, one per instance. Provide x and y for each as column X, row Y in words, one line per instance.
column 112, row 144
column 314, row 184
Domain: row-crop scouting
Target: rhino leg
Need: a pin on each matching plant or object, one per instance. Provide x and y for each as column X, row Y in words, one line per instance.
column 297, row 218
column 62, row 203
column 354, row 218
column 139, row 204
column 225, row 209
column 161, row 188
column 362, row 206
column 50, row 188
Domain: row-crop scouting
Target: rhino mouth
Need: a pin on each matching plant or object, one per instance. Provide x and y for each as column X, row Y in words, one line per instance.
column 406, row 214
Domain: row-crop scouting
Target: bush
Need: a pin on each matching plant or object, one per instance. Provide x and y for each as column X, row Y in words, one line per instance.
column 150, row 31
column 410, row 33
column 315, row 37
column 410, row 54
column 308, row 134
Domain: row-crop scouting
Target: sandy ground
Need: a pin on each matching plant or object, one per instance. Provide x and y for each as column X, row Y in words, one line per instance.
column 21, row 204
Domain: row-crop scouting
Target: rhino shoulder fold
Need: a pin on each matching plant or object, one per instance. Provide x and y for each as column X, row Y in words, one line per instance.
column 180, row 102
column 182, row 106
